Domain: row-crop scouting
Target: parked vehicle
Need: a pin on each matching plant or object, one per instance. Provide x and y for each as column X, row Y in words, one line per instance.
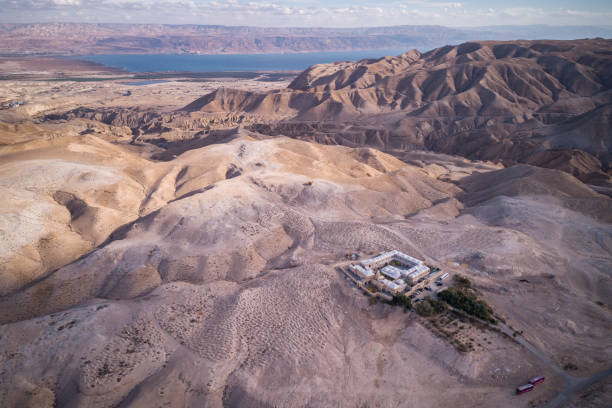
column 537, row 380
column 524, row 388
column 427, row 288
column 443, row 276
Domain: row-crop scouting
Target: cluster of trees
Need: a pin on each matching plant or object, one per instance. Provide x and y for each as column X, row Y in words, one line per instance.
column 465, row 300
column 462, row 281
column 401, row 300
column 430, row 307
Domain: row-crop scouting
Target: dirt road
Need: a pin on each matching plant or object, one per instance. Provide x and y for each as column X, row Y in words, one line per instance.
column 573, row 385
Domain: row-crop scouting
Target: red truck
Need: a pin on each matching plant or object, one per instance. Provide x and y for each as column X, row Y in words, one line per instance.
column 524, row 388
column 537, row 380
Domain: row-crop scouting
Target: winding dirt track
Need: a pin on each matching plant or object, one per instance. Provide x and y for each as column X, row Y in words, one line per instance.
column 573, row 385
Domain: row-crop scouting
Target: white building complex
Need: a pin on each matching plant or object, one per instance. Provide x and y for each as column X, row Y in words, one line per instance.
column 391, row 271
column 364, row 273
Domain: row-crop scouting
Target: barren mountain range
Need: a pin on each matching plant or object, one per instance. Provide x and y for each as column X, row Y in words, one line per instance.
column 85, row 39
column 535, row 102
column 181, row 243
column 546, row 103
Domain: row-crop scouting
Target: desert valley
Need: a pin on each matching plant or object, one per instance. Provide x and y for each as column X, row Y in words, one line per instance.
column 185, row 241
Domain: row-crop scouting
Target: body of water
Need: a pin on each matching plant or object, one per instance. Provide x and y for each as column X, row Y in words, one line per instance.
column 231, row 62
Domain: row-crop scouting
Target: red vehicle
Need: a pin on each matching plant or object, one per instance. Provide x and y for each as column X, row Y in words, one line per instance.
column 524, row 388
column 537, row 380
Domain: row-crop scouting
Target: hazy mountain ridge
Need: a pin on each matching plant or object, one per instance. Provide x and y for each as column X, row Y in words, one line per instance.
column 81, row 39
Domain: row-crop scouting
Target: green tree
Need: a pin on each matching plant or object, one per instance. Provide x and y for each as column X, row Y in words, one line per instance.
column 430, row 307
column 402, row 300
column 462, row 281
column 467, row 301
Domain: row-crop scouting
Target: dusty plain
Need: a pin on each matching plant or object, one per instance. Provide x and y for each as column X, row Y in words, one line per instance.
column 153, row 255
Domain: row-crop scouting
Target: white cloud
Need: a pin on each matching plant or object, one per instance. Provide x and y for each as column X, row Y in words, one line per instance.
column 522, row 11
column 293, row 12
column 66, row 2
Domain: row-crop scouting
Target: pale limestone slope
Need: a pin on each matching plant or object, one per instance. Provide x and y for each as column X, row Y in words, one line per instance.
column 221, row 291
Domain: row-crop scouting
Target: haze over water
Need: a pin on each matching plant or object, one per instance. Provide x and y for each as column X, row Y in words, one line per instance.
column 232, row 62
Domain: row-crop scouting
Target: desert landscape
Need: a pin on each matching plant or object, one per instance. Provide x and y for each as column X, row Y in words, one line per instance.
column 183, row 241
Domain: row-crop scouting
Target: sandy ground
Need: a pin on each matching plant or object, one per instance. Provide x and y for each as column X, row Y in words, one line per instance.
column 49, row 96
column 208, row 280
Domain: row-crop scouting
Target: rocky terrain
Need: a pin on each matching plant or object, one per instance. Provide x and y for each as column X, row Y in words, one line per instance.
column 208, row 278
column 538, row 102
column 160, row 248
column 545, row 103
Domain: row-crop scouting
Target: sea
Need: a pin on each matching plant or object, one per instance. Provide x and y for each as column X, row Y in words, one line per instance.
column 231, row 62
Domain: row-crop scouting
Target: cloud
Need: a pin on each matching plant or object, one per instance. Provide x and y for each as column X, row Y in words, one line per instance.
column 522, row 11
column 333, row 13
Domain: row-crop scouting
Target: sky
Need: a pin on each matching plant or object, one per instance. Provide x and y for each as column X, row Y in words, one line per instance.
column 305, row 13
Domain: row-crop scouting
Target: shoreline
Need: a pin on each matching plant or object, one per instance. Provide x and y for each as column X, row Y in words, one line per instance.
column 213, row 53
column 82, row 70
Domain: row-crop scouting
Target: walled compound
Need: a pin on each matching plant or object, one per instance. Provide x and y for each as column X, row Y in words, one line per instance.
column 393, row 272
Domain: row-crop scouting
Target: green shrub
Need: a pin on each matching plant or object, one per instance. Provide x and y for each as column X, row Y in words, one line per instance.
column 401, row 300
column 438, row 306
column 462, row 281
column 424, row 309
column 462, row 348
column 430, row 307
column 570, row 367
column 467, row 301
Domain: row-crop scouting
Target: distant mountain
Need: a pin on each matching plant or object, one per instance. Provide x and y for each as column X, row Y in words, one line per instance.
column 80, row 39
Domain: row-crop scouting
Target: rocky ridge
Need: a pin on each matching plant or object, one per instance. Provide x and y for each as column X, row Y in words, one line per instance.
column 540, row 102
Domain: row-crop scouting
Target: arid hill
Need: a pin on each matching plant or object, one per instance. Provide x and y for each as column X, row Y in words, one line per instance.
column 546, row 103
column 209, row 278
column 153, row 255
column 541, row 102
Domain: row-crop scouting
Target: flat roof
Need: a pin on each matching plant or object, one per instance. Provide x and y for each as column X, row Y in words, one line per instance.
column 407, row 258
column 418, row 271
column 367, row 272
column 389, row 284
column 391, row 271
column 392, row 254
